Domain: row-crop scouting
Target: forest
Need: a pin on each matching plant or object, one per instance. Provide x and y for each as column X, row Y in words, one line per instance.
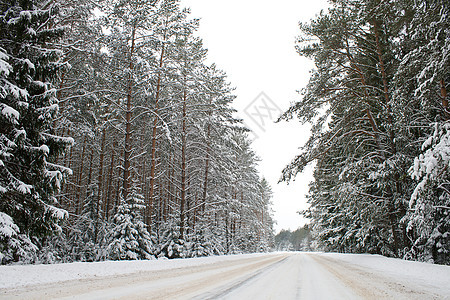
column 377, row 102
column 117, row 140
column 297, row 240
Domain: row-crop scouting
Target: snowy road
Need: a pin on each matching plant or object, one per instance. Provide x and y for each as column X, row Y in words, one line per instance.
column 272, row 276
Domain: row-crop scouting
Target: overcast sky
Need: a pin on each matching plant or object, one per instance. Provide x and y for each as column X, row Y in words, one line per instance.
column 253, row 42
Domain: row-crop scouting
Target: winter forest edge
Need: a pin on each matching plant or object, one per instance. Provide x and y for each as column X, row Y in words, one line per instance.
column 118, row 142
column 380, row 140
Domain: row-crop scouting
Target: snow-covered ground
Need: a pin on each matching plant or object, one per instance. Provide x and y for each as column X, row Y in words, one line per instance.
column 256, row 276
column 14, row 276
column 433, row 278
column 344, row 276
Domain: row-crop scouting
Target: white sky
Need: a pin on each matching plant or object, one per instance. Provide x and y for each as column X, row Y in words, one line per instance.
column 253, row 42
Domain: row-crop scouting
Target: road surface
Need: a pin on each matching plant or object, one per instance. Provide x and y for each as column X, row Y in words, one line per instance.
column 274, row 276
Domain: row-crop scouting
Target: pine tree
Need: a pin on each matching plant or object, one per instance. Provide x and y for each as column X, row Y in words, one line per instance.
column 157, row 147
column 376, row 100
column 349, row 101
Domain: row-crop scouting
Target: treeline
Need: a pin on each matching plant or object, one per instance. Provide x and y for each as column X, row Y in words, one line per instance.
column 117, row 140
column 380, row 139
column 297, row 240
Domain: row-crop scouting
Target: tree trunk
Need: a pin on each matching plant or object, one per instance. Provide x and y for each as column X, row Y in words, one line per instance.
column 154, row 134
column 109, row 184
column 208, row 150
column 362, row 79
column 385, row 88
column 80, row 178
column 118, row 190
column 143, row 182
column 170, row 200
column 183, row 164
column 91, row 167
column 128, row 115
column 393, row 212
column 100, row 169
column 227, row 233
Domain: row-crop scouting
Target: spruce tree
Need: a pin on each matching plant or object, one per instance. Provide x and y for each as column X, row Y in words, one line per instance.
column 422, row 81
column 29, row 176
column 129, row 238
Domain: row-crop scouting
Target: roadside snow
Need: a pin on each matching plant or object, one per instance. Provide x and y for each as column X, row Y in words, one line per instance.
column 22, row 275
column 295, row 275
column 304, row 275
column 434, row 277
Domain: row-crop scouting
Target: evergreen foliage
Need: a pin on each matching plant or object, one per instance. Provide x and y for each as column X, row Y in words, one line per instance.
column 29, row 176
column 297, row 240
column 129, row 236
column 379, row 108
column 160, row 165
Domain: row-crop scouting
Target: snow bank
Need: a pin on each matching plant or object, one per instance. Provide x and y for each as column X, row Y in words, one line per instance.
column 436, row 277
column 23, row 275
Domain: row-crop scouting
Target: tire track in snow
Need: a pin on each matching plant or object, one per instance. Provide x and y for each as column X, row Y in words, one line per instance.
column 180, row 283
column 370, row 285
column 227, row 289
column 297, row 277
column 274, row 276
